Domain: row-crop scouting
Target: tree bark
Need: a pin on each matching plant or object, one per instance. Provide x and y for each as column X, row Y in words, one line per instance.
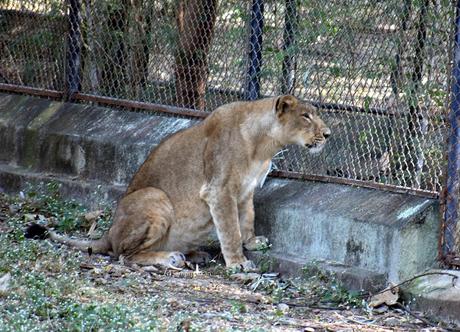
column 139, row 57
column 113, row 71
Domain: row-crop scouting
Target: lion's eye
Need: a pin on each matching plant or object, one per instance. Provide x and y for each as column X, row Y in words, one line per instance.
column 307, row 116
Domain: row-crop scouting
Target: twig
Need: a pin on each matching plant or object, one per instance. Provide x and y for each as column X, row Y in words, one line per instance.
column 309, row 306
column 424, row 320
column 454, row 279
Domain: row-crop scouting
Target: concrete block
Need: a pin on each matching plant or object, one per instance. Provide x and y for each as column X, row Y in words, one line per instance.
column 437, row 293
column 389, row 233
column 89, row 142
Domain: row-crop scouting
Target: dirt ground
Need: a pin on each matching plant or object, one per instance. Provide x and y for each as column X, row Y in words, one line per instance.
column 49, row 287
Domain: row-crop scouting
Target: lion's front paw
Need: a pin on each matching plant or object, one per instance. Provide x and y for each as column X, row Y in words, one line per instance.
column 176, row 259
column 256, row 243
column 245, row 266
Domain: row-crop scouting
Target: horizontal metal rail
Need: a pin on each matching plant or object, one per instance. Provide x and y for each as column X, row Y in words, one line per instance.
column 141, row 105
column 354, row 182
column 31, row 91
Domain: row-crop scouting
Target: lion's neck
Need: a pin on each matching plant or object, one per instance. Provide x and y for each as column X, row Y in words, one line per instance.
column 261, row 138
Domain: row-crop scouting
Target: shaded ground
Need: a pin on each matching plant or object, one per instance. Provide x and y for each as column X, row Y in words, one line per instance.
column 56, row 288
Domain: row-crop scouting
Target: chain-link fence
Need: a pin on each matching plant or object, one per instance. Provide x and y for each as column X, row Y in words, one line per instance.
column 380, row 71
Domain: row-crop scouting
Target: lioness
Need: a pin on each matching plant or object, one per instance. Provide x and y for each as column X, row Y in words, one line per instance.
column 202, row 177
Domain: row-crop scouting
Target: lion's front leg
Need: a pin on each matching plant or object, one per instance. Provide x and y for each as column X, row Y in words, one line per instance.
column 246, row 218
column 224, row 212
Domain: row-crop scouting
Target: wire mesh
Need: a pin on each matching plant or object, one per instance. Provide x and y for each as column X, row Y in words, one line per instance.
column 32, row 43
column 380, row 71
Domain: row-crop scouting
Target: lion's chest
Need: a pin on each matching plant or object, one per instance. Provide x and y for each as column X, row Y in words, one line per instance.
column 253, row 177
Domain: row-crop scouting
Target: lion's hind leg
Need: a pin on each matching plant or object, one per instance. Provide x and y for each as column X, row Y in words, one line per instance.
column 141, row 226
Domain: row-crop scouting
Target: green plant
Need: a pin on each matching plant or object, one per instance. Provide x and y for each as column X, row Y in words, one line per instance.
column 238, row 307
column 324, row 288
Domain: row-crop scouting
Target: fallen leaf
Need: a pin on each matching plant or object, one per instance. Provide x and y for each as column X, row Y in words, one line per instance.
column 34, row 217
column 150, row 268
column 283, row 307
column 91, row 230
column 243, row 277
column 5, row 284
column 93, row 215
column 388, row 296
column 185, row 325
column 86, row 266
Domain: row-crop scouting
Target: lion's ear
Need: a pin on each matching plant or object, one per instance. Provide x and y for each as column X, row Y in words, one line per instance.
column 285, row 103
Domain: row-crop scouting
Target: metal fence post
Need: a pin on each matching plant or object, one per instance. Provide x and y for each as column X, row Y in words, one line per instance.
column 252, row 89
column 453, row 161
column 290, row 27
column 72, row 75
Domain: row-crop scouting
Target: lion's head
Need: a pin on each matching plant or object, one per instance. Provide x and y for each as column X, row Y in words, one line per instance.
column 301, row 124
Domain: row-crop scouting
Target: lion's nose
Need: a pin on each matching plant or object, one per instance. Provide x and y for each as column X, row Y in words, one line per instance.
column 326, row 132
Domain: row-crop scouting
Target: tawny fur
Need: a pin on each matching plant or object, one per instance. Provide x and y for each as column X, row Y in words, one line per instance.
column 204, row 177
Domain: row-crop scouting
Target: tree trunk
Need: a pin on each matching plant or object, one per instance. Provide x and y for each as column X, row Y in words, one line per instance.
column 139, row 57
column 113, row 72
column 195, row 25
column 90, row 45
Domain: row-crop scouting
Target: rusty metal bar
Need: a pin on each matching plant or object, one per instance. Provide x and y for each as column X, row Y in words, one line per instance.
column 31, row 91
column 453, row 160
column 141, row 105
column 354, row 182
column 331, row 107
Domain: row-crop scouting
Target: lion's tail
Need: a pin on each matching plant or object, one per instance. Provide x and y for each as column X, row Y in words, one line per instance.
column 100, row 246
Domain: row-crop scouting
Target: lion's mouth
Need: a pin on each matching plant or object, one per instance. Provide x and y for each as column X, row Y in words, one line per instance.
column 315, row 147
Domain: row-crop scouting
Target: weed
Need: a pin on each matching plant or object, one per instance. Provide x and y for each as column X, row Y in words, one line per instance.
column 238, row 307
column 325, row 288
column 46, row 201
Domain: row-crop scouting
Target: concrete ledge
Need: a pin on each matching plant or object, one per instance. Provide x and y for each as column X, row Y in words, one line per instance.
column 93, row 194
column 91, row 143
column 353, row 278
column 436, row 294
column 377, row 231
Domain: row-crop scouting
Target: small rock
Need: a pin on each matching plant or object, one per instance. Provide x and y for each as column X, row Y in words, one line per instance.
column 101, row 281
column 381, row 309
column 283, row 307
column 391, row 321
column 29, row 217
